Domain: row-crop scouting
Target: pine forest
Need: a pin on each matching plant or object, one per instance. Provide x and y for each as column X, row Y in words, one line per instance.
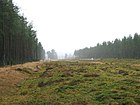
column 18, row 39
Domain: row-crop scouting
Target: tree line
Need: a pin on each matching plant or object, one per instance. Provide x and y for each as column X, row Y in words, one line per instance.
column 127, row 47
column 18, row 40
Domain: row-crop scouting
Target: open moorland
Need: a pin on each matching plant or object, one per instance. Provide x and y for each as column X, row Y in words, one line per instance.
column 71, row 82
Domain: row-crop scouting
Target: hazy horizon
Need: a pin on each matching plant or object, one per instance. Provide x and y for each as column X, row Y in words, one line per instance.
column 66, row 25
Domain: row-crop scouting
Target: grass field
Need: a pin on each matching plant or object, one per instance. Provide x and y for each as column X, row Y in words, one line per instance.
column 73, row 82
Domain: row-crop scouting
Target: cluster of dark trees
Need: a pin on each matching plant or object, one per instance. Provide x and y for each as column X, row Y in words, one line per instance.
column 52, row 54
column 18, row 41
column 127, row 47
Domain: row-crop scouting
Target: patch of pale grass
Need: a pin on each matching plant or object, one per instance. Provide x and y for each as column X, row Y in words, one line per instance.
column 9, row 76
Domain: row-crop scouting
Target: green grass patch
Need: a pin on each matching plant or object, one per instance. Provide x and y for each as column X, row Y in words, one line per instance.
column 102, row 82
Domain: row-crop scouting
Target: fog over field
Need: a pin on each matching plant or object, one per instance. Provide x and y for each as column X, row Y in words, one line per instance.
column 98, row 41
column 66, row 25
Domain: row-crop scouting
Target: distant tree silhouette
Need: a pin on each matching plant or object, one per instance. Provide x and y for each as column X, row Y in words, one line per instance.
column 66, row 56
column 52, row 54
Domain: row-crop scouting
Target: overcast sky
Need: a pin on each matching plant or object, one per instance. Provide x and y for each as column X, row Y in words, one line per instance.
column 66, row 25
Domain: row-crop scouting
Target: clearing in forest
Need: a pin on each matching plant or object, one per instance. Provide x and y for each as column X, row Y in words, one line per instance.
column 74, row 82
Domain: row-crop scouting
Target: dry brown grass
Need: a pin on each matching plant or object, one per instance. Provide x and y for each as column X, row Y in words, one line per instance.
column 10, row 77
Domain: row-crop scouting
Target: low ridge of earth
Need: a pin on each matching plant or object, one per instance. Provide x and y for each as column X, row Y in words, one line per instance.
column 71, row 82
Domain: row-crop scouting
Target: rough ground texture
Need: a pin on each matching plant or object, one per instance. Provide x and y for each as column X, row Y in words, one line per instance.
column 10, row 76
column 99, row 82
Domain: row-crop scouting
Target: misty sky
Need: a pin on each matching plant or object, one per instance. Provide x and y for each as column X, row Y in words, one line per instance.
column 66, row 25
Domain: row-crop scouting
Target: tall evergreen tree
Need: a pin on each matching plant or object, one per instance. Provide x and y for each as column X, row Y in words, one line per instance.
column 18, row 41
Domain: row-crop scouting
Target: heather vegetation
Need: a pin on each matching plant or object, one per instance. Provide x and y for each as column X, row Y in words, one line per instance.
column 99, row 81
column 93, row 82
